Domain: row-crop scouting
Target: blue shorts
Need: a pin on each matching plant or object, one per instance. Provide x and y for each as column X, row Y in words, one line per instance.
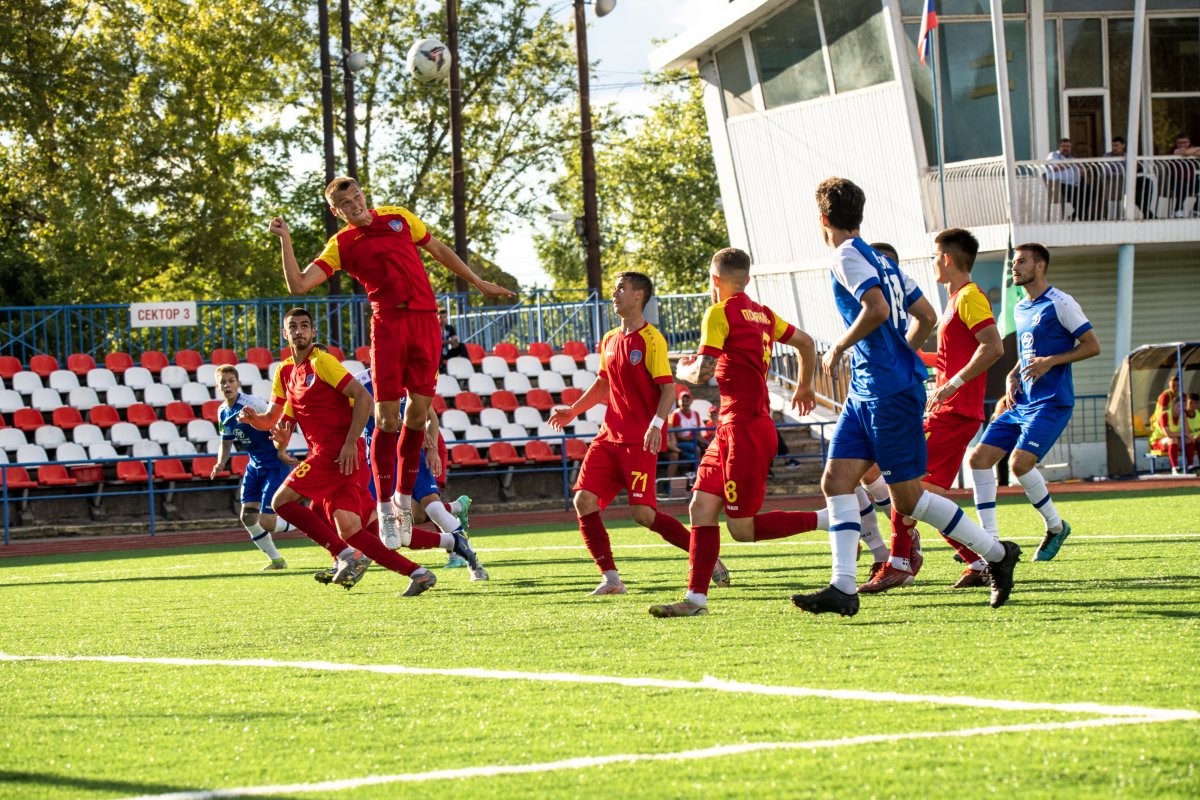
column 1032, row 429
column 426, row 482
column 887, row 431
column 260, row 483
column 687, row 449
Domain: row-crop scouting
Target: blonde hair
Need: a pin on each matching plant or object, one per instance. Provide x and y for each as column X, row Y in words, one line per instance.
column 339, row 185
column 226, row 369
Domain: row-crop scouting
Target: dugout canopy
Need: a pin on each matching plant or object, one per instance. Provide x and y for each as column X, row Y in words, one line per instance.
column 1134, row 392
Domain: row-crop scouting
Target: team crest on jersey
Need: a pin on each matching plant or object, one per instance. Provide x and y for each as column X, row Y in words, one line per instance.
column 396, row 225
column 309, row 378
column 635, row 357
column 1037, row 318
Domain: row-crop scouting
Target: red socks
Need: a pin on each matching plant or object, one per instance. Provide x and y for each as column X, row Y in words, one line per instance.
column 706, row 546
column 314, row 526
column 595, row 536
column 411, row 440
column 383, row 463
column 370, row 545
column 901, row 536
column 781, row 524
column 967, row 554
column 671, row 530
column 425, row 539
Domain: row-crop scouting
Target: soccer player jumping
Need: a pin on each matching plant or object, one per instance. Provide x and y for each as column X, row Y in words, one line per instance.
column 378, row 247
column 881, row 420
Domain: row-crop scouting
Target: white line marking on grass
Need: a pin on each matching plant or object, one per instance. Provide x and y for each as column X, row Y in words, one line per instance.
column 100, row 572
column 707, row 683
column 633, row 758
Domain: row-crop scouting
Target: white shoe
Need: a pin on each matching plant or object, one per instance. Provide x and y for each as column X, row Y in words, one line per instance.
column 389, row 531
column 479, row 574
column 405, row 518
column 607, row 588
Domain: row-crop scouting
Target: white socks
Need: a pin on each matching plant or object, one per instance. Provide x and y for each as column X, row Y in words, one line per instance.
column 262, row 540
column 1035, row 489
column 823, row 519
column 403, row 501
column 455, row 507
column 442, row 518
column 879, row 493
column 947, row 517
column 611, row 576
column 985, row 500
column 870, row 526
column 385, row 508
column 446, row 541
column 697, row 598
column 845, row 527
column 282, row 525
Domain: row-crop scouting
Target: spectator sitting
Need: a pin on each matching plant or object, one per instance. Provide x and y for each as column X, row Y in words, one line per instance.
column 1166, row 434
column 451, row 346
column 1184, row 181
column 1065, row 182
column 685, row 436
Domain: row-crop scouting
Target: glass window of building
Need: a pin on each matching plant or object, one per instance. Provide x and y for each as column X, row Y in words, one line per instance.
column 1120, row 67
column 1174, row 80
column 1052, row 87
column 955, row 8
column 1083, row 53
column 736, row 88
column 858, row 46
column 791, row 63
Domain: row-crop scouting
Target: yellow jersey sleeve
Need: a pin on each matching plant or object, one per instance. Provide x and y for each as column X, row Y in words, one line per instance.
column 278, row 395
column 330, row 259
column 782, row 330
column 714, row 330
column 330, row 370
column 974, row 309
column 657, row 363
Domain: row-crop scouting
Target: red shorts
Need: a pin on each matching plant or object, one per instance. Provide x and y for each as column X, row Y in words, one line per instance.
column 319, row 478
column 406, row 347
column 947, row 436
column 609, row 467
column 736, row 464
column 445, row 457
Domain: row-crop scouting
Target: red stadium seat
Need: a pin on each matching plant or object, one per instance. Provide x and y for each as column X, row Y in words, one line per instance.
column 680, row 390
column 179, row 413
column 140, row 414
column 576, row 350
column 154, row 361
column 171, row 469
column 537, row 398
column 576, row 449
column 507, row 351
column 54, row 475
column 571, row 394
column 188, row 359
column 67, row 418
column 17, row 478
column 260, row 357
column 336, row 352
column 363, row 354
column 103, row 416
column 88, row 473
column 465, row 455
column 475, row 353
column 9, row 366
column 239, row 463
column 505, row 401
column 223, row 355
column 468, row 402
column 119, row 362
column 28, row 419
column 505, row 454
column 80, row 363
column 4, row 424
column 439, row 404
column 202, row 467
column 541, row 351
column 43, row 365
column 540, row 452
column 285, row 353
column 132, row 472
column 208, row 411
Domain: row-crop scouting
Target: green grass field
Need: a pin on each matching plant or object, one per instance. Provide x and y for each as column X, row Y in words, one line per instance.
column 1113, row 622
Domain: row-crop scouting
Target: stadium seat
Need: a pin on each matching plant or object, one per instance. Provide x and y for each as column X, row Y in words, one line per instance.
column 583, row 379
column 68, row 417
column 118, row 362
column 363, row 354
column 124, row 434
column 539, row 399
column 544, row 431
column 455, row 420
column 63, row 380
column 103, row 416
column 504, row 400
column 11, row 439
column 162, row 432
column 179, row 413
column 702, row 407
column 9, row 366
column 447, row 386
column 258, row 389
column 153, row 360
column 132, row 472
column 592, row 362
column 181, row 447
column 174, row 377
column 238, row 464
column 202, row 468
column 102, row 451
column 260, row 357
column 493, row 418
column 439, row 404
column 504, row 454
column 551, row 382
column 477, row 433
column 190, row 360
column 10, row 401
column 541, row 351
column 101, row 379
column 49, row 437
column 80, row 363
column 576, row 350
column 285, row 353
column 517, row 383
column 596, row 413
column 43, row 365
column 271, row 368
column 138, row 378
column 201, row 430
column 507, row 351
column 336, row 352
column 223, row 355
column 120, row 397
column 31, row 454
column 582, row 427
column 530, row 366
column 171, row 469
column 248, row 374
column 482, row 385
column 28, row 419
column 563, row 365
column 195, row 394
column 468, row 403
column 69, row 451
column 86, row 474
column 465, row 455
column 495, row 366
column 158, row 395
column 475, row 353
column 87, row 435
column 141, row 415
column 447, row 436
column 576, row 449
column 353, row 366
column 528, row 418
column 46, row 400
column 53, row 475
column 146, row 449
column 209, row 410
column 460, row 368
column 514, row 431
column 540, row 453
column 83, row 398
column 18, row 478
column 26, row 382
column 206, row 376
column 297, row 442
column 570, row 395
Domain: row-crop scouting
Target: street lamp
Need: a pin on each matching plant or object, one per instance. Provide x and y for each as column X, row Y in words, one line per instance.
column 591, row 223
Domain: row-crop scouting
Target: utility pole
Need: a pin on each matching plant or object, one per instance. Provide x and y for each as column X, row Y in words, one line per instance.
column 457, row 174
column 591, row 222
column 331, row 227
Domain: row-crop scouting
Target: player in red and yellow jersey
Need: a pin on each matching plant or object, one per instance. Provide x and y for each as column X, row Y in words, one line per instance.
column 736, row 340
column 312, row 389
column 378, row 247
column 968, row 343
column 635, row 381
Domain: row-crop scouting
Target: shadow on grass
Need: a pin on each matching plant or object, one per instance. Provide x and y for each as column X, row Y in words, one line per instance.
column 29, row 780
column 150, row 578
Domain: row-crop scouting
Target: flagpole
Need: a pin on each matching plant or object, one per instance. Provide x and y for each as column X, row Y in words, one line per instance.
column 937, row 127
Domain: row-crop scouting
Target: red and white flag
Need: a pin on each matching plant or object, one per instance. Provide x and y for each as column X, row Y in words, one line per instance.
column 929, row 21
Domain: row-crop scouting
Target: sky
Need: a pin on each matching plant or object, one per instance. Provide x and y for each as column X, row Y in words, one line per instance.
column 619, row 46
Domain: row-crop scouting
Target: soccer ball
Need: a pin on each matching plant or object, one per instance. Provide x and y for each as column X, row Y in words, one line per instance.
column 429, row 61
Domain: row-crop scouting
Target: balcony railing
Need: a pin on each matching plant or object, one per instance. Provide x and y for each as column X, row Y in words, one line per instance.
column 1063, row 191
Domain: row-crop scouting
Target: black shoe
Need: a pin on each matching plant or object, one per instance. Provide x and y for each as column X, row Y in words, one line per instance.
column 828, row 599
column 1002, row 573
column 325, row 576
column 463, row 548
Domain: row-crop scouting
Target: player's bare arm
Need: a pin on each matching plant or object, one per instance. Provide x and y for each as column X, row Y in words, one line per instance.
column 282, row 434
column 363, row 408
column 696, row 368
column 1012, row 386
column 450, row 260
column 564, row 415
column 652, row 441
column 926, row 318
column 1087, row 347
column 804, row 399
column 432, row 428
column 987, row 352
column 223, row 452
column 298, row 281
column 874, row 312
column 262, row 422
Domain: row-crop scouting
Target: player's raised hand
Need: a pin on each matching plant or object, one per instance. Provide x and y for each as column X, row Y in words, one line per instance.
column 804, row 400
column 489, row 289
column 279, row 227
column 561, row 417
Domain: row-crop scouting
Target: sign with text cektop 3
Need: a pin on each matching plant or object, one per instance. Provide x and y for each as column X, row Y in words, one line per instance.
column 162, row 315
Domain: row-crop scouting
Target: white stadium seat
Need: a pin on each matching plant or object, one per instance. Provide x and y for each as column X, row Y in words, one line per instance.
column 31, row 454
column 544, row 431
column 479, row 435
column 12, row 438
column 448, row 435
column 495, row 366
column 173, row 376
column 123, row 434
column 591, row 362
column 10, row 401
column 447, row 386
column 201, row 430
column 147, row 449
column 702, row 407
column 45, row 400
column 297, row 442
column 515, row 431
column 69, row 451
column 274, row 365
column 517, row 383
column 101, row 379
column 596, row 413
column 162, row 432
column 460, row 368
column 158, row 395
column 26, row 382
column 181, row 447
column 482, row 385
column 551, row 382
column 120, row 397
column 213, row 446
column 87, row 435
column 493, row 418
column 585, row 428
column 63, row 380
column 138, row 378
column 49, row 437
column 353, row 366
column 563, row 365
column 583, row 379
column 83, row 398
column 527, row 417
column 206, row 375
column 455, row 420
column 3, row 456
column 101, row 450
column 194, row 394
column 248, row 373
column 529, row 366
column 261, row 389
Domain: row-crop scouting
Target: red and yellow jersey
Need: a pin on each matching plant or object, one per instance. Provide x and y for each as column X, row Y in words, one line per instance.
column 383, row 257
column 311, row 393
column 739, row 332
column 967, row 313
column 635, row 365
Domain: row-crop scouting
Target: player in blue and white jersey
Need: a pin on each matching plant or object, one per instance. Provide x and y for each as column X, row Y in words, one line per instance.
column 887, row 320
column 1052, row 334
column 265, row 473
